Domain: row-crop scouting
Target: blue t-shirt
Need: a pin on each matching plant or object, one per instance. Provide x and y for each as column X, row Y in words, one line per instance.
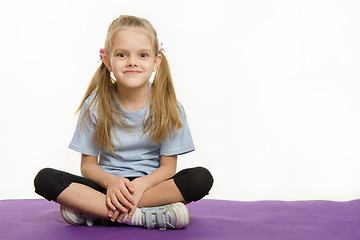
column 135, row 155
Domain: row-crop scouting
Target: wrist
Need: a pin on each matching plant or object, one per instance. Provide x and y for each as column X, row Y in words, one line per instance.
column 141, row 183
column 109, row 178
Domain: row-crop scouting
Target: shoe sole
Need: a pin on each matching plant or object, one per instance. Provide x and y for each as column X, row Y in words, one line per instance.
column 182, row 215
column 66, row 215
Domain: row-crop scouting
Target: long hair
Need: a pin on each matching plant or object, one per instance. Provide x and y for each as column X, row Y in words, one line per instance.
column 163, row 109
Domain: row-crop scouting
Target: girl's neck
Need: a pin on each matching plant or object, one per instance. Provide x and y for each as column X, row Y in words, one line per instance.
column 133, row 99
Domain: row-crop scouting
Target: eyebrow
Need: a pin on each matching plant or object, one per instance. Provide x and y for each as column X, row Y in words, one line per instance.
column 140, row 50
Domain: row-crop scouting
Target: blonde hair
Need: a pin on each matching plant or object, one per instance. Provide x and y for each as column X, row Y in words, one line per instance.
column 163, row 108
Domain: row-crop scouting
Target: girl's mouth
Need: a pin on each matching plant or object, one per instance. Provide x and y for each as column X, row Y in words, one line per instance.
column 132, row 72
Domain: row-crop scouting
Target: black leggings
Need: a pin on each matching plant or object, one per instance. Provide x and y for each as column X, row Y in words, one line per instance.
column 193, row 183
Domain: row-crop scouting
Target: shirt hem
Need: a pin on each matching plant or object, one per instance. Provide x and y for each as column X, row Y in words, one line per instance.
column 179, row 151
column 84, row 151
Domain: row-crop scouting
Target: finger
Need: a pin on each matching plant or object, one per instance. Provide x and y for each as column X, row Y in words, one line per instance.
column 111, row 213
column 128, row 198
column 115, row 215
column 131, row 214
column 129, row 185
column 109, row 204
column 118, row 205
column 124, row 201
column 122, row 216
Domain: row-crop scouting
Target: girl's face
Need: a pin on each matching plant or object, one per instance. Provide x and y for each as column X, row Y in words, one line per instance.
column 132, row 59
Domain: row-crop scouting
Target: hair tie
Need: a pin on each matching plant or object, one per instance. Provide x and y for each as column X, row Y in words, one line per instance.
column 101, row 52
column 161, row 47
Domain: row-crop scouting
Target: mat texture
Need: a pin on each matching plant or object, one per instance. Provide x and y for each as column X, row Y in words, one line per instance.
column 209, row 219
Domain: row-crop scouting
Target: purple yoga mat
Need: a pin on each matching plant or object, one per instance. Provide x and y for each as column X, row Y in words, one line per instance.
column 209, row 219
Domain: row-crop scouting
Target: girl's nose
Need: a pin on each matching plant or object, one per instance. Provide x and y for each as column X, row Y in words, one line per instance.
column 132, row 61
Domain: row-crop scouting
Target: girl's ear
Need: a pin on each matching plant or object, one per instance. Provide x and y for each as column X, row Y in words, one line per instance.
column 157, row 62
column 107, row 62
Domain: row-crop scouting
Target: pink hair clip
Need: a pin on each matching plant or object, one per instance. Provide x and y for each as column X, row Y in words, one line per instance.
column 101, row 52
column 161, row 47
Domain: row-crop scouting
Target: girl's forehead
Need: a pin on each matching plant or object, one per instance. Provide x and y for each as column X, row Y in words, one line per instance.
column 131, row 35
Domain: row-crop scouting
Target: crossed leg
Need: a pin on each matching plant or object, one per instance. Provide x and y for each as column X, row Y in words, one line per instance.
column 92, row 202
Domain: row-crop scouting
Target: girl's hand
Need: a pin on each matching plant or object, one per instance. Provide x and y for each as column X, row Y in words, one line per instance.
column 137, row 195
column 166, row 170
column 119, row 196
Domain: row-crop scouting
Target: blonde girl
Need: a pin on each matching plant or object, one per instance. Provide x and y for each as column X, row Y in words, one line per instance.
column 129, row 133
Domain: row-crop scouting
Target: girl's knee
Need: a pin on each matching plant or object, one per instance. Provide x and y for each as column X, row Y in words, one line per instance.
column 44, row 182
column 194, row 183
column 43, row 176
column 202, row 180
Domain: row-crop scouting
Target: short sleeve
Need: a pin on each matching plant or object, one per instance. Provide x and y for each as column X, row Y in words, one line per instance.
column 83, row 140
column 181, row 142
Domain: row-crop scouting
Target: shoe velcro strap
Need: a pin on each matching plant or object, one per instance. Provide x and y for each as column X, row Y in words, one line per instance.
column 148, row 218
column 160, row 219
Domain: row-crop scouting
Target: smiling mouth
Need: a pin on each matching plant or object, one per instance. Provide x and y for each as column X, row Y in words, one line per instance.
column 132, row 72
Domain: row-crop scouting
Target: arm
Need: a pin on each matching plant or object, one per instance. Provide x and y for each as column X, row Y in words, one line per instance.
column 166, row 170
column 118, row 189
column 91, row 170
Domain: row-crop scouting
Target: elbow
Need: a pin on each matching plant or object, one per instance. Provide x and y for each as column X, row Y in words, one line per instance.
column 86, row 165
column 83, row 170
column 172, row 171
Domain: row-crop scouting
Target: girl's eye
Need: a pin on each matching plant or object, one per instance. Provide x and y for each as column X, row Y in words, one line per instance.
column 143, row 55
column 122, row 55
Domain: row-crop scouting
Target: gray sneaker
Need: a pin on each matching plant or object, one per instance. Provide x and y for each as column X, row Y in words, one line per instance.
column 74, row 217
column 174, row 216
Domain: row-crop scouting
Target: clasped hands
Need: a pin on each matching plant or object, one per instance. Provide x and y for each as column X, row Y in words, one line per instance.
column 123, row 197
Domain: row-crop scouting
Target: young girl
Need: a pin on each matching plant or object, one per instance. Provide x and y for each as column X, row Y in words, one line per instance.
column 137, row 129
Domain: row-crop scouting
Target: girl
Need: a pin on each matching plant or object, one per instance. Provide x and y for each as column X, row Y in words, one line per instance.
column 137, row 129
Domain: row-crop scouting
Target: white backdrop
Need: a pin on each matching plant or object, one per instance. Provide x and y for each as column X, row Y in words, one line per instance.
column 271, row 89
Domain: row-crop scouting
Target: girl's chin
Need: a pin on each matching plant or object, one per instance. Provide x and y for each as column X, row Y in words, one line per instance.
column 132, row 84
